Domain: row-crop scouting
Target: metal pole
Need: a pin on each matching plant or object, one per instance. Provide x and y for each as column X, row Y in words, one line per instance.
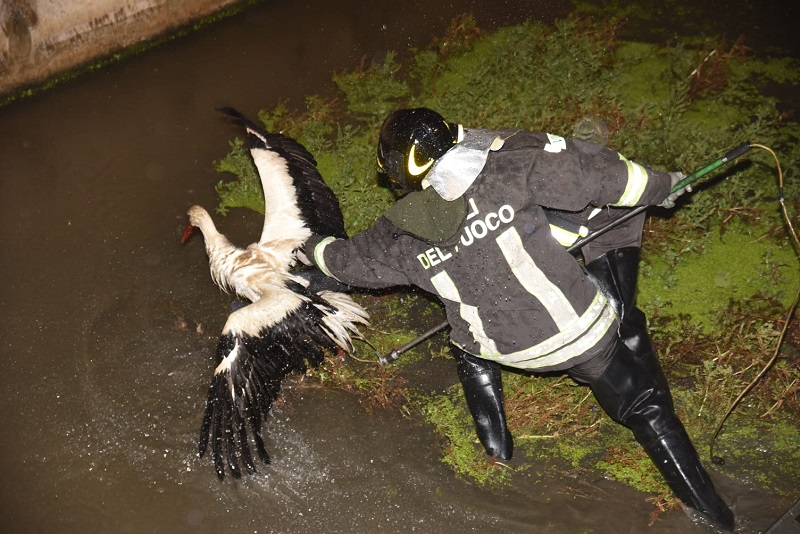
column 395, row 353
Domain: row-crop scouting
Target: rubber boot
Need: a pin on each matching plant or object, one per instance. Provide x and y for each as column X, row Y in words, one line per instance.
column 483, row 389
column 636, row 399
column 616, row 273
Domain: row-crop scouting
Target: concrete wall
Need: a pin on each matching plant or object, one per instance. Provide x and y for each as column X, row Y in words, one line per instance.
column 42, row 38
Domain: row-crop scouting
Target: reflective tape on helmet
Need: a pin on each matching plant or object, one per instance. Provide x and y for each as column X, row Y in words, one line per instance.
column 413, row 168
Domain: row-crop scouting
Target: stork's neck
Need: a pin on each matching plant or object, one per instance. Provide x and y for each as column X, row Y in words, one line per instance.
column 200, row 218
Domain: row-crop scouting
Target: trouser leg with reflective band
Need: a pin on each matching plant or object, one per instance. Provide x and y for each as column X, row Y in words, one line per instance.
column 632, row 396
column 483, row 390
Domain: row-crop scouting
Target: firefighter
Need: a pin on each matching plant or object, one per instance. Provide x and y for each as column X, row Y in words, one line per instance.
column 473, row 229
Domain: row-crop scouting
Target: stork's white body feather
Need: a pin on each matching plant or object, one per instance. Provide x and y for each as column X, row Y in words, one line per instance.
column 250, row 272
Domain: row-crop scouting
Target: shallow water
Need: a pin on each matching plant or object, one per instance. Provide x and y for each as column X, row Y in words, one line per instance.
column 109, row 324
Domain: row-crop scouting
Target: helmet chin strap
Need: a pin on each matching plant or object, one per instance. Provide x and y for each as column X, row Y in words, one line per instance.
column 460, row 136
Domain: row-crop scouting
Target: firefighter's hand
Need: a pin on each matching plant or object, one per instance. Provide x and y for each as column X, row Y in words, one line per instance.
column 318, row 281
column 676, row 177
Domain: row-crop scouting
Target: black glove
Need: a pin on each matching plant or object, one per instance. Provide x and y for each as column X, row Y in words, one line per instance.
column 676, row 177
column 319, row 281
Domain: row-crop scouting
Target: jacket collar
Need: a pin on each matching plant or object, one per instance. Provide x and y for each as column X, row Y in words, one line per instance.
column 453, row 173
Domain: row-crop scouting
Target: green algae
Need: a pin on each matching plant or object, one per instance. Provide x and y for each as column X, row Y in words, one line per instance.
column 752, row 449
column 733, row 266
column 246, row 191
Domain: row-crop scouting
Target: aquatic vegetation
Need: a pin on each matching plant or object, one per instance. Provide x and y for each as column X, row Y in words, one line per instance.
column 246, row 191
column 451, row 418
column 717, row 274
column 696, row 276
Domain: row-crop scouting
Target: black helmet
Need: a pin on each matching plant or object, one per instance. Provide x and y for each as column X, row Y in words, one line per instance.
column 411, row 140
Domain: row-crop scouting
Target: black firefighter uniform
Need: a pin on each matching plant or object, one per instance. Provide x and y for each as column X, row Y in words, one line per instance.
column 480, row 240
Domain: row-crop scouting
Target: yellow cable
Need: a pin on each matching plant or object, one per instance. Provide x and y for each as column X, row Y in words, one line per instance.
column 789, row 313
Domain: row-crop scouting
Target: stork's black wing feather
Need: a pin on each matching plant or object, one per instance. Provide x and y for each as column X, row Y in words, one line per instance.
column 318, row 205
column 295, row 326
column 249, row 380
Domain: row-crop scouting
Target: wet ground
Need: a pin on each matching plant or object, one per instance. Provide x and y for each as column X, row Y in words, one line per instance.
column 108, row 323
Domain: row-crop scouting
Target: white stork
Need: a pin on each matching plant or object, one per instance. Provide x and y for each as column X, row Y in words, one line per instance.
column 286, row 326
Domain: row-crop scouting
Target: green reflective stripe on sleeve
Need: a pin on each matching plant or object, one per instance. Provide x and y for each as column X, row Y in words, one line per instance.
column 565, row 237
column 637, row 182
column 319, row 256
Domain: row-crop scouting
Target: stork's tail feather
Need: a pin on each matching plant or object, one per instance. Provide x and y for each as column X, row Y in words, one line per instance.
column 341, row 317
column 346, row 307
column 333, row 312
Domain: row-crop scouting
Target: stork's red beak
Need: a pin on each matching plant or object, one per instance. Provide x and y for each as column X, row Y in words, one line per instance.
column 187, row 232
